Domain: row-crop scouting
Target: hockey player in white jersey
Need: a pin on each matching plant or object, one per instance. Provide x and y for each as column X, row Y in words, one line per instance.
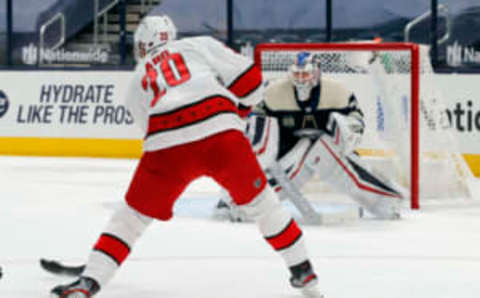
column 308, row 126
column 188, row 95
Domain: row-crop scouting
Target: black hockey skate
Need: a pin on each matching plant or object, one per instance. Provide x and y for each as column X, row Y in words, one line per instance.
column 304, row 279
column 84, row 287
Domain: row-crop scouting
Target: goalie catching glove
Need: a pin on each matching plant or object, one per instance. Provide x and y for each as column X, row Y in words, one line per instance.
column 346, row 131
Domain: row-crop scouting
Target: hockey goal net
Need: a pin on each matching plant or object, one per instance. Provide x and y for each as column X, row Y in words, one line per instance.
column 408, row 134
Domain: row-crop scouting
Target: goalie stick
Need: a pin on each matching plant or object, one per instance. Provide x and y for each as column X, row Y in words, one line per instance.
column 295, row 196
column 57, row 268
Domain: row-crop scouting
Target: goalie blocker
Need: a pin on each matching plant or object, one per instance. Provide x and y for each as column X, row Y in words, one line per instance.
column 326, row 155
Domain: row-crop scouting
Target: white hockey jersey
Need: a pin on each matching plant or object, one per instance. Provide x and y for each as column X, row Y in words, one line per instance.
column 190, row 89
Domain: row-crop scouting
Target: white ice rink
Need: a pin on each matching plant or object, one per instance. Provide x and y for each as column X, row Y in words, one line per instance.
column 56, row 208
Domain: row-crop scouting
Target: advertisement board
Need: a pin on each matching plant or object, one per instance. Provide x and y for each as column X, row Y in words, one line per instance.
column 65, row 107
column 82, row 113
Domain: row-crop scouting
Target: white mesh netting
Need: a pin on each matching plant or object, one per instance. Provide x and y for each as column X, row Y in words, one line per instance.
column 382, row 82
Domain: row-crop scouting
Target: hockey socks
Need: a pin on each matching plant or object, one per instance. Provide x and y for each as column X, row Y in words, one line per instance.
column 114, row 244
column 277, row 226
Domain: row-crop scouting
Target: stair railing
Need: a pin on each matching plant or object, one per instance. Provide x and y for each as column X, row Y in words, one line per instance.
column 97, row 13
column 41, row 44
column 442, row 11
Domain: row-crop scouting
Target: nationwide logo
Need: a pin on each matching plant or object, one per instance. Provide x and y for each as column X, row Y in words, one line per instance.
column 3, row 103
column 30, row 56
column 458, row 55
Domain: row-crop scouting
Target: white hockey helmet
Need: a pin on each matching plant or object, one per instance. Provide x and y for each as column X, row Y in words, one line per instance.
column 151, row 33
column 304, row 74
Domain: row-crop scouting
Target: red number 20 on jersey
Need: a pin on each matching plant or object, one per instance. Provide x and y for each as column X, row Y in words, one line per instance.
column 173, row 68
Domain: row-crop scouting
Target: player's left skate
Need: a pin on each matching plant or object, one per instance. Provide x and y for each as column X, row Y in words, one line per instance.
column 304, row 279
column 84, row 287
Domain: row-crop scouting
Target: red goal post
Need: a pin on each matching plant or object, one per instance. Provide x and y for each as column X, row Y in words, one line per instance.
column 414, row 61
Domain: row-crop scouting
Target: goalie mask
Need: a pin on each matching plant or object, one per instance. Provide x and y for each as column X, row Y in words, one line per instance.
column 304, row 74
column 151, row 33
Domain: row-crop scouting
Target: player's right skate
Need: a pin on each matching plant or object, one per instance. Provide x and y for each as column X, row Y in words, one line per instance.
column 304, row 279
column 84, row 287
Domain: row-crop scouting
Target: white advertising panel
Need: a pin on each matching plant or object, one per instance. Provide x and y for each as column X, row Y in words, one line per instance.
column 90, row 104
column 80, row 104
column 462, row 96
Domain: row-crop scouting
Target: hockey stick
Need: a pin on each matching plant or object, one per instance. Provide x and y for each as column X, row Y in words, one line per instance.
column 57, row 268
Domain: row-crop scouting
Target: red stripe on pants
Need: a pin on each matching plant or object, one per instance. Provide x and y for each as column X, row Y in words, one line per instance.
column 113, row 247
column 285, row 238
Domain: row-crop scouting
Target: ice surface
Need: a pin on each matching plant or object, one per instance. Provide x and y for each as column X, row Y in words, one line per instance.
column 56, row 207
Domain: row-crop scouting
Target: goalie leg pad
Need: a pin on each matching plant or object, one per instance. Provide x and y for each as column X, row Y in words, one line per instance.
column 350, row 175
column 294, row 167
column 277, row 226
column 114, row 244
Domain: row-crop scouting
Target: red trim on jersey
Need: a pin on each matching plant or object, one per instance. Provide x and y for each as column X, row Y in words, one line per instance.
column 354, row 178
column 285, row 238
column 247, row 82
column 243, row 111
column 191, row 114
column 113, row 247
